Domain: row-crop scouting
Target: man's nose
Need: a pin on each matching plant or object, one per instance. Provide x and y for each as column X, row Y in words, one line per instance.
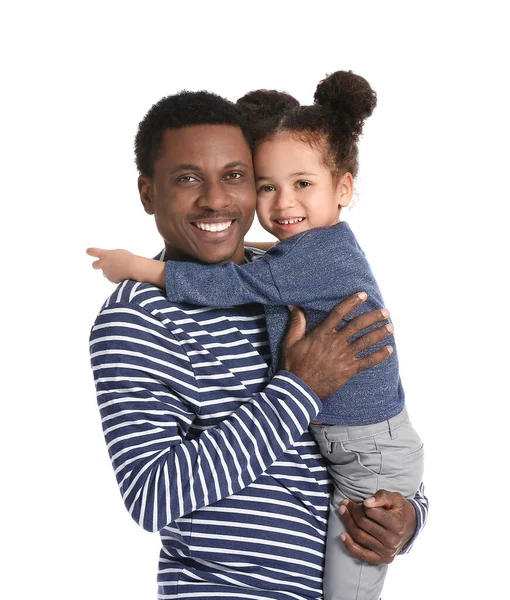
column 214, row 196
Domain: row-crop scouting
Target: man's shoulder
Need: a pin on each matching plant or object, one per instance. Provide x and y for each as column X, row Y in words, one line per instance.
column 137, row 295
column 138, row 310
column 135, row 300
column 251, row 253
column 133, row 304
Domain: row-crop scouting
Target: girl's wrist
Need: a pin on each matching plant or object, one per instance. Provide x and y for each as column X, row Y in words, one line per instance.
column 138, row 268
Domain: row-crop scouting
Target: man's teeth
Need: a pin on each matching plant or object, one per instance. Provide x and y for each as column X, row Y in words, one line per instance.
column 290, row 221
column 213, row 226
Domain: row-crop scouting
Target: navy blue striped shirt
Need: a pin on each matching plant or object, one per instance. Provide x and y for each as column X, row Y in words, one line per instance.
column 210, row 453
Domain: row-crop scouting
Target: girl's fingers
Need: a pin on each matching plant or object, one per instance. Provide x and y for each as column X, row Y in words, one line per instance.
column 97, row 252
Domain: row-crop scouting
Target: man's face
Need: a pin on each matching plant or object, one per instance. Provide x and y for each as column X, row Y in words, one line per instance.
column 202, row 193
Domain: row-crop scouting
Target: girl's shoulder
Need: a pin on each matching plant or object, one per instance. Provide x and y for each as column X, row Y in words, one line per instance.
column 321, row 239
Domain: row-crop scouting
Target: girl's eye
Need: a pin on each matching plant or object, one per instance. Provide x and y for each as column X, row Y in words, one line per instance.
column 266, row 188
column 303, row 184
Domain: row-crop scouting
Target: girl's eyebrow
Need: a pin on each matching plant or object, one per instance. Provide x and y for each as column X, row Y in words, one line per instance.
column 300, row 174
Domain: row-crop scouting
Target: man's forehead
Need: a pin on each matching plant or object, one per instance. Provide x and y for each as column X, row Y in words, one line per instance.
column 206, row 143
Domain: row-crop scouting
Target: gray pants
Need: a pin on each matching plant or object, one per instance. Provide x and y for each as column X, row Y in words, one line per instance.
column 361, row 460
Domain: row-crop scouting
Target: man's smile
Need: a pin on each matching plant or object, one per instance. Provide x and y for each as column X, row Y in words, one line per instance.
column 215, row 226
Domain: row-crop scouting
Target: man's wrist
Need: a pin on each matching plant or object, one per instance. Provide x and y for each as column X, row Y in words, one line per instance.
column 305, row 390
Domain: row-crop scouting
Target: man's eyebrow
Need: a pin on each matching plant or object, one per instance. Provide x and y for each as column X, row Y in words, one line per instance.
column 190, row 167
column 235, row 163
column 185, row 167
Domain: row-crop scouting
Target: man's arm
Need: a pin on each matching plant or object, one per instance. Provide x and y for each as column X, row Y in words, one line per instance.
column 146, row 390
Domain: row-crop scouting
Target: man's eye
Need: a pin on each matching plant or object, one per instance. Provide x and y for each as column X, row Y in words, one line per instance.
column 234, row 176
column 266, row 188
column 303, row 184
column 187, row 179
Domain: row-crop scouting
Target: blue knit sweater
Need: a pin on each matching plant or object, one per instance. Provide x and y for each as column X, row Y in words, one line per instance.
column 315, row 270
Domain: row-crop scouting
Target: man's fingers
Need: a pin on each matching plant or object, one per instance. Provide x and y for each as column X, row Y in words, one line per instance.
column 388, row 524
column 380, row 498
column 342, row 309
column 374, row 359
column 355, row 518
column 96, row 264
column 363, row 554
column 363, row 321
column 296, row 329
column 372, row 338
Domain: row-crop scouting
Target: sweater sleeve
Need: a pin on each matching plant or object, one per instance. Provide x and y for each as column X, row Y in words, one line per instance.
column 321, row 267
column 221, row 285
column 421, row 506
column 146, row 392
column 314, row 269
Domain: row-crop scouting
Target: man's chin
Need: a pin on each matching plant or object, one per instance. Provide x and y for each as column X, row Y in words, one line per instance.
column 218, row 259
column 215, row 254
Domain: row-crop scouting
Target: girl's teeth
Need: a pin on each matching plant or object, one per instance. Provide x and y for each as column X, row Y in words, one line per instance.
column 213, row 226
column 290, row 221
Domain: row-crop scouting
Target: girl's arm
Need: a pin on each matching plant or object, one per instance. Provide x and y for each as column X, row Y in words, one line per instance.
column 118, row 265
column 319, row 266
column 209, row 285
column 221, row 285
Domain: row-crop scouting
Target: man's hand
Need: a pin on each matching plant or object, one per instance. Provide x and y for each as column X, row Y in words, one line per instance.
column 379, row 527
column 324, row 359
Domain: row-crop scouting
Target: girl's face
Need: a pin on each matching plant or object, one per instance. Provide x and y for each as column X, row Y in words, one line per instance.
column 295, row 190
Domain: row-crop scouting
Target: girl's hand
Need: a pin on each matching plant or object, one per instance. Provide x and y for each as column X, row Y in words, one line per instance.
column 116, row 265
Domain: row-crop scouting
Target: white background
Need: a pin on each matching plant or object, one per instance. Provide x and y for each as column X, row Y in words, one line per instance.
column 432, row 214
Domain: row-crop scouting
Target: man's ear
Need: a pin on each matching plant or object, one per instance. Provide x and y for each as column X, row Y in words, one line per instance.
column 145, row 190
column 345, row 190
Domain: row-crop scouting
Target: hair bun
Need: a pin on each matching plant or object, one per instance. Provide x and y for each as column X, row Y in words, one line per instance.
column 264, row 103
column 349, row 97
column 263, row 109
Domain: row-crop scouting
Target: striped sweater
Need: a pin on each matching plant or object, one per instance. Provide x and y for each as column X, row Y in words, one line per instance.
column 208, row 452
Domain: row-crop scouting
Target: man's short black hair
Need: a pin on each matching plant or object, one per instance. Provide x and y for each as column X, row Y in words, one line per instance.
column 182, row 110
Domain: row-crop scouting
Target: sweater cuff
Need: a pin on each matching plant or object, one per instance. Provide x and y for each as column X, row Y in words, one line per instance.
column 299, row 391
column 421, row 519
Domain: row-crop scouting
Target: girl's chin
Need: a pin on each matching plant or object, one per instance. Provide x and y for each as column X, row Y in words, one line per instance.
column 285, row 232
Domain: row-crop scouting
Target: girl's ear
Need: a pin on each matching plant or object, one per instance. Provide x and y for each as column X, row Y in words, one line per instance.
column 344, row 190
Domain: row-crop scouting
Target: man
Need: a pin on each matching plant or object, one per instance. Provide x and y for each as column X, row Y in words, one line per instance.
column 205, row 449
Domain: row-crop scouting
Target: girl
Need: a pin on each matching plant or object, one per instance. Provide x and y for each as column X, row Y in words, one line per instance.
column 306, row 159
